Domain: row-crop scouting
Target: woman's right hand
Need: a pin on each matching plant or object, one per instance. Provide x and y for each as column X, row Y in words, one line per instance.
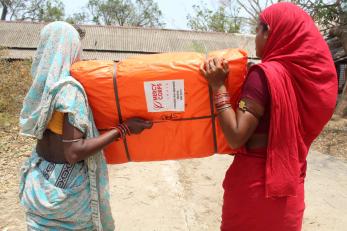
column 215, row 72
column 137, row 125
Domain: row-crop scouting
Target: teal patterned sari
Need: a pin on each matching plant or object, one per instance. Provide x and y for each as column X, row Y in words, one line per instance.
column 61, row 196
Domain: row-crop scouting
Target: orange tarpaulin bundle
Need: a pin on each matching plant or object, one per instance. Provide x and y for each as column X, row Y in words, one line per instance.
column 167, row 89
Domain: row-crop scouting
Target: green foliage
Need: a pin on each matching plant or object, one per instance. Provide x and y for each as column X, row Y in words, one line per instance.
column 221, row 20
column 141, row 13
column 52, row 11
column 147, row 13
column 324, row 12
column 33, row 10
column 77, row 18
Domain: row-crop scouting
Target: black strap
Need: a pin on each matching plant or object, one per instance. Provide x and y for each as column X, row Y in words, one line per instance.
column 170, row 120
column 213, row 118
column 119, row 109
column 191, row 118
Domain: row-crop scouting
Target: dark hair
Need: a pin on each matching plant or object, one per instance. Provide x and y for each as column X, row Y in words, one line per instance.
column 81, row 32
column 249, row 65
column 265, row 27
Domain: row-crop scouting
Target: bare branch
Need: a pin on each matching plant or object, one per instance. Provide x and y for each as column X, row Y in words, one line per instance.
column 256, row 12
column 246, row 9
column 258, row 5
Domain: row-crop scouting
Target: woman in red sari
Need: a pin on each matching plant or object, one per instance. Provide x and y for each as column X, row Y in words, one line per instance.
column 285, row 103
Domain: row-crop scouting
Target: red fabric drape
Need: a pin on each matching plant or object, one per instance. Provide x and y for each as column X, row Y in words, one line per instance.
column 303, row 86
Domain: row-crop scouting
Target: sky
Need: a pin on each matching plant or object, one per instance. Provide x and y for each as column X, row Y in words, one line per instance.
column 174, row 11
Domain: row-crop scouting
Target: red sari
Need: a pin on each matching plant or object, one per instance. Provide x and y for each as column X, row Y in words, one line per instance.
column 264, row 189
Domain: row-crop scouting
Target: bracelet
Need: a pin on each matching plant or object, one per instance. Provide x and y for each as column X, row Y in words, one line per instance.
column 223, row 109
column 223, row 106
column 127, row 129
column 72, row 141
column 224, row 99
column 123, row 130
column 219, row 97
column 221, row 103
column 221, row 94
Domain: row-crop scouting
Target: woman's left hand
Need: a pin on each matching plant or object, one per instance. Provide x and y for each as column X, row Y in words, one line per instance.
column 215, row 72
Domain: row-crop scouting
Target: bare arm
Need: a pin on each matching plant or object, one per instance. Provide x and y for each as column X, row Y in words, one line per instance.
column 83, row 148
column 237, row 126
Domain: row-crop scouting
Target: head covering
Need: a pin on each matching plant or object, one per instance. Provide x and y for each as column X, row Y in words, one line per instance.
column 53, row 89
column 59, row 47
column 303, row 85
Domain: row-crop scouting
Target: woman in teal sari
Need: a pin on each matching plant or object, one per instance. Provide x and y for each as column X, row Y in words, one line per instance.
column 64, row 184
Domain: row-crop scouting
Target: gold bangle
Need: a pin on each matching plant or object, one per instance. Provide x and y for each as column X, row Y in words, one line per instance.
column 223, row 109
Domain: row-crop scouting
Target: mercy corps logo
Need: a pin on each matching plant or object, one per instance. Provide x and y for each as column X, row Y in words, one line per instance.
column 157, row 94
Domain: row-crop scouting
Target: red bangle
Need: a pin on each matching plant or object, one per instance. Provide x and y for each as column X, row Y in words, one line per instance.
column 127, row 129
column 222, row 102
column 122, row 130
column 219, row 98
column 219, row 106
column 221, row 94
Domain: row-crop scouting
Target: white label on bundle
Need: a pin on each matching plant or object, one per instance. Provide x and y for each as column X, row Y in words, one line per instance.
column 165, row 95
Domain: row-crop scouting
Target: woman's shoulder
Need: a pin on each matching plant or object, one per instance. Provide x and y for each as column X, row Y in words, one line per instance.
column 256, row 77
column 256, row 72
column 70, row 95
column 68, row 88
column 255, row 86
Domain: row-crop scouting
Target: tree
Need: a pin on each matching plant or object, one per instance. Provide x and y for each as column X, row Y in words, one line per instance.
column 147, row 13
column 323, row 12
column 224, row 19
column 77, row 18
column 4, row 6
column 142, row 13
column 33, row 10
column 52, row 11
column 340, row 31
column 252, row 8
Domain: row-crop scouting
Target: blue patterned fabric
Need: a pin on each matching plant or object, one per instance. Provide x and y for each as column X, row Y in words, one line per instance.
column 58, row 48
column 63, row 197
column 49, row 207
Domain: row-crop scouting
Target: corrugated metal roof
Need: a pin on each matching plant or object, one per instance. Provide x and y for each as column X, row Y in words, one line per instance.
column 107, row 55
column 120, row 42
column 86, row 55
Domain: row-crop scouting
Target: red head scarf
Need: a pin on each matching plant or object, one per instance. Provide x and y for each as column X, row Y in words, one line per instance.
column 303, row 85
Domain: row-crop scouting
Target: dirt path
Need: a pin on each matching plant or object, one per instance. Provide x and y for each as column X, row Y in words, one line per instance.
column 187, row 195
column 184, row 195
